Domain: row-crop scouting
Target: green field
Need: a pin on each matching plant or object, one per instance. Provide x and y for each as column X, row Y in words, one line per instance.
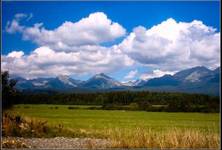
column 128, row 129
column 85, row 119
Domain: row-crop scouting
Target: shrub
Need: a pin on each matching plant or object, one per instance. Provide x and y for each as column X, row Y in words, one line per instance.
column 72, row 107
column 15, row 125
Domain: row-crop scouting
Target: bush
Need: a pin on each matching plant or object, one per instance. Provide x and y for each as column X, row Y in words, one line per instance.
column 72, row 107
column 16, row 126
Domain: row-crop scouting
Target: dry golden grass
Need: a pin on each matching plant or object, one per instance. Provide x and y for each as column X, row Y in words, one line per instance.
column 14, row 144
column 172, row 138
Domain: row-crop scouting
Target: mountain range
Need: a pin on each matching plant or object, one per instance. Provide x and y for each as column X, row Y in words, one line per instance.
column 193, row 80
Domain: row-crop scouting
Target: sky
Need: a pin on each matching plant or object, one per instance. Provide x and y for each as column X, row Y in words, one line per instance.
column 125, row 40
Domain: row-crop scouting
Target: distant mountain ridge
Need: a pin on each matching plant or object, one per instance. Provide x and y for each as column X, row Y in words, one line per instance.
column 193, row 80
column 101, row 81
column 193, row 74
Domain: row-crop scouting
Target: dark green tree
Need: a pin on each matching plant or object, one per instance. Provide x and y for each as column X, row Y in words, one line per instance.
column 8, row 90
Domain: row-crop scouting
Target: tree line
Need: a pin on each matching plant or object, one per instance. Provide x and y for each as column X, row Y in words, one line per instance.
column 132, row 100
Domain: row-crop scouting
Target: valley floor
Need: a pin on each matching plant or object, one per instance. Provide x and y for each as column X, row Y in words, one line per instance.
column 80, row 127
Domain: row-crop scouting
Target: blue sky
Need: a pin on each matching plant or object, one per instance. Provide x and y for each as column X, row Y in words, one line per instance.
column 127, row 14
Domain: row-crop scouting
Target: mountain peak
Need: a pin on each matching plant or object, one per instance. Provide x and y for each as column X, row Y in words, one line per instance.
column 193, row 74
column 101, row 75
column 102, row 81
column 200, row 68
column 68, row 80
column 137, row 82
column 63, row 77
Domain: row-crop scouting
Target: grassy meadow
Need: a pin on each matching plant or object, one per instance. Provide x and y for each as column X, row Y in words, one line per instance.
column 129, row 128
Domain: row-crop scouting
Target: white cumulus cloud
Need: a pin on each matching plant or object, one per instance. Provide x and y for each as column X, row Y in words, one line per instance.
column 92, row 30
column 45, row 62
column 173, row 45
column 16, row 54
column 75, row 48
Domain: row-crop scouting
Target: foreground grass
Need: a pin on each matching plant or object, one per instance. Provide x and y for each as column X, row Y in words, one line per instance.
column 171, row 138
column 129, row 128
